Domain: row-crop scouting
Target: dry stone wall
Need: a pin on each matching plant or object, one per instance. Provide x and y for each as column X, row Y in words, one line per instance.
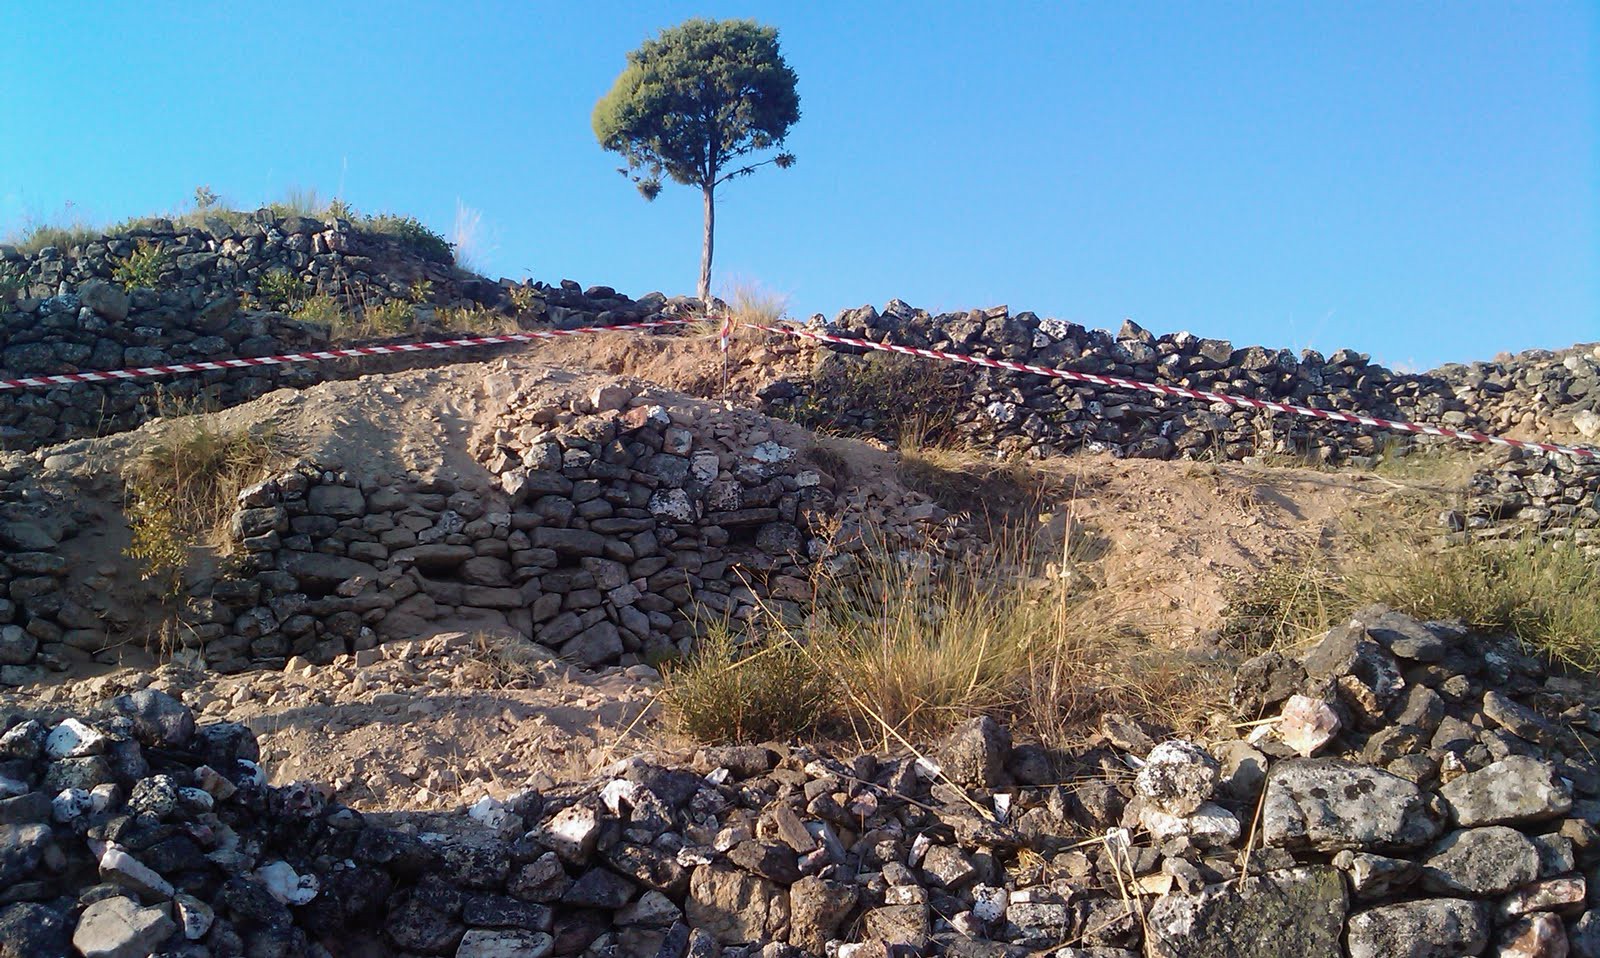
column 1536, row 392
column 1552, row 496
column 610, row 527
column 1015, row 413
column 61, row 312
column 1421, row 791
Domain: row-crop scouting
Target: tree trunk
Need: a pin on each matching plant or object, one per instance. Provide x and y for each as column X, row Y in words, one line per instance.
column 706, row 246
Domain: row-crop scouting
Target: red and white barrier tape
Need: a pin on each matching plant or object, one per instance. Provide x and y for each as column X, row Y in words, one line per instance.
column 1245, row 402
column 147, row 372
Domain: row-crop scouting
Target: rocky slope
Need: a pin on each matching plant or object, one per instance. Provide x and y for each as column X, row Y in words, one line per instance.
column 1414, row 790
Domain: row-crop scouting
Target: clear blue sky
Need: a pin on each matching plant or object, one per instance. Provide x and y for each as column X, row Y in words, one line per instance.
column 1414, row 180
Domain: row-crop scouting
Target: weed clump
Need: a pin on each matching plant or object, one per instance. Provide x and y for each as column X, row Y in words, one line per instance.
column 181, row 494
column 899, row 646
column 142, row 267
column 725, row 692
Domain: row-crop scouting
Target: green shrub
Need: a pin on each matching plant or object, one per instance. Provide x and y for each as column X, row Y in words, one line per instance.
column 421, row 291
column 322, row 310
column 411, row 233
column 1546, row 592
column 181, row 494
column 282, row 289
column 142, row 267
column 475, row 319
column 36, row 238
column 389, row 319
column 297, row 202
column 11, row 284
column 524, row 298
column 725, row 693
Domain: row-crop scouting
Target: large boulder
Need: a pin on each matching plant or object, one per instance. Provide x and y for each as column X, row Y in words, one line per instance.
column 975, row 754
column 1298, row 911
column 735, row 906
column 1330, row 805
column 107, row 299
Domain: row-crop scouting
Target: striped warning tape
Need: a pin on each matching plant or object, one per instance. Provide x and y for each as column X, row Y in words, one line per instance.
column 1159, row 389
column 147, row 372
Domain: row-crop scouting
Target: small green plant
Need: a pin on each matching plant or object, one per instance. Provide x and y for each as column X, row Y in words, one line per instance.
column 751, row 303
column 322, row 310
column 339, row 209
column 524, row 298
column 297, row 201
column 389, row 319
column 474, row 319
column 283, row 289
column 421, row 290
column 411, row 233
column 205, row 198
column 11, row 284
column 142, row 267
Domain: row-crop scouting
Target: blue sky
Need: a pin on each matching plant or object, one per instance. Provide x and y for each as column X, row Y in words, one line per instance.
column 1417, row 181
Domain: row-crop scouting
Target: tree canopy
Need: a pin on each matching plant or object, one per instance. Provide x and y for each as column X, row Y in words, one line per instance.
column 695, row 104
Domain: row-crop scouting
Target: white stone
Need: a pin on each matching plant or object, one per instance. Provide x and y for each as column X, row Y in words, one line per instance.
column 770, row 452
column 74, row 739
column 194, row 916
column 71, row 803
column 1211, row 825
column 988, row 903
column 120, row 868
column 491, row 813
column 483, row 943
column 117, row 927
column 286, row 885
column 196, row 798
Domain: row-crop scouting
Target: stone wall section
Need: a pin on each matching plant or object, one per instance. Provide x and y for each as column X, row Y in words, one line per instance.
column 60, row 312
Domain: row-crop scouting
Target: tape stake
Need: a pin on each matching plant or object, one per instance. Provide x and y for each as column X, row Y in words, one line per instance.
column 1183, row 392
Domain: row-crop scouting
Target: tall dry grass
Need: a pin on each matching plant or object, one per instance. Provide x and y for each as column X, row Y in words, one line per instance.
column 899, row 646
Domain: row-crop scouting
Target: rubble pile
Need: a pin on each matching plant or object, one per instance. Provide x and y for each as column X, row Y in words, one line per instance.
column 1538, row 392
column 1415, row 790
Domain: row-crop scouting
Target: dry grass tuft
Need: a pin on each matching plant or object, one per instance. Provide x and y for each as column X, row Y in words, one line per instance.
column 897, row 647
column 181, row 492
column 1545, row 591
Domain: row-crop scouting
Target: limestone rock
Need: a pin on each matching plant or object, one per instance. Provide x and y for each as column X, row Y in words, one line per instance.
column 118, row 928
column 734, row 906
column 1178, row 777
column 1514, row 790
column 1330, row 805
column 1480, row 862
column 975, row 754
column 1431, row 928
column 1298, row 911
